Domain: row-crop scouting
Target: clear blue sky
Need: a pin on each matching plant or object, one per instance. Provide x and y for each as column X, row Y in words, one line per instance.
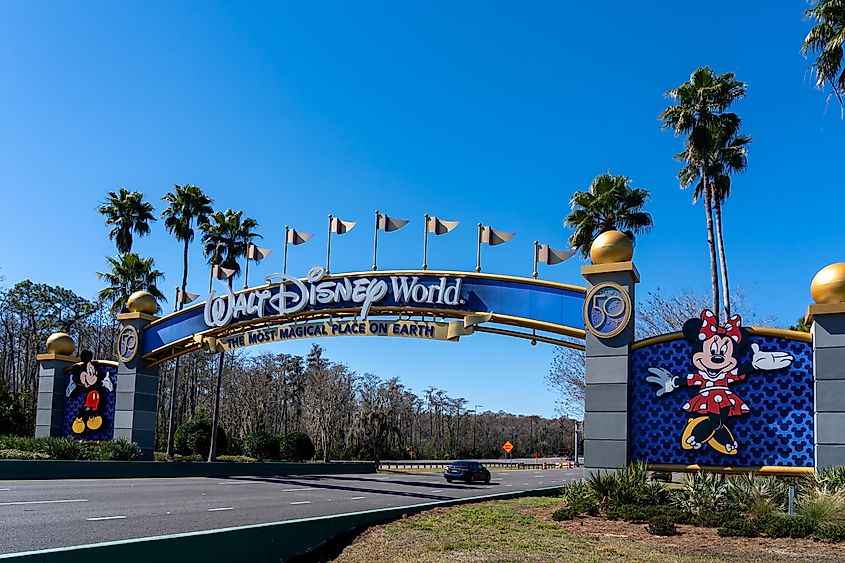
column 476, row 111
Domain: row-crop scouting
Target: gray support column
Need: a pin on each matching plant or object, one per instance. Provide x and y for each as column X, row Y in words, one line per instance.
column 137, row 387
column 52, row 383
column 828, row 329
column 606, row 378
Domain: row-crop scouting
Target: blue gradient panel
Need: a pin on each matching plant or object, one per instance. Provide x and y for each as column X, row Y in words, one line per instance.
column 528, row 300
column 73, row 404
column 777, row 431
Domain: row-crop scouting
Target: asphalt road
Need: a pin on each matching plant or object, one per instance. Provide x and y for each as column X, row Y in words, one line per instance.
column 44, row 514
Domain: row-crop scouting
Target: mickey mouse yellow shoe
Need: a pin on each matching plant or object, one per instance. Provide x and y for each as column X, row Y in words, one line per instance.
column 95, row 422
column 78, row 426
column 688, row 441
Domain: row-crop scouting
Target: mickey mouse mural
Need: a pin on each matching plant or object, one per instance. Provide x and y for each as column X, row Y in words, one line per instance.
column 87, row 395
column 715, row 352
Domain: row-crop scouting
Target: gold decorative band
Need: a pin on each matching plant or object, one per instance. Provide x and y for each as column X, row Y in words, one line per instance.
column 756, row 330
column 760, row 469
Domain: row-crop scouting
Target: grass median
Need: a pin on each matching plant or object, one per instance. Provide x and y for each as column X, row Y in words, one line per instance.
column 521, row 530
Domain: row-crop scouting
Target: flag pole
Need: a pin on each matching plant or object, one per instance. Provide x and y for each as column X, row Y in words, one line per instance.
column 210, row 277
column 176, row 301
column 285, row 258
column 536, row 257
column 478, row 254
column 246, row 269
column 425, row 242
column 375, row 243
column 329, row 246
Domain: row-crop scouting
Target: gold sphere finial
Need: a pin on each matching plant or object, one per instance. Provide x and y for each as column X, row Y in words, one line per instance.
column 611, row 246
column 828, row 285
column 142, row 302
column 60, row 343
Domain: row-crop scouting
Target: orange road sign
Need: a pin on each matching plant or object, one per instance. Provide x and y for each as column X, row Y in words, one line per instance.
column 507, row 446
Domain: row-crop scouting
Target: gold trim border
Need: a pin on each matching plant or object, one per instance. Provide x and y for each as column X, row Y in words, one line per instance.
column 759, row 469
column 495, row 277
column 754, row 330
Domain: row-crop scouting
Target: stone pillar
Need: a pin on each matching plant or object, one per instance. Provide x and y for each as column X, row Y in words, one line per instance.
column 137, row 383
column 826, row 318
column 608, row 316
column 52, row 382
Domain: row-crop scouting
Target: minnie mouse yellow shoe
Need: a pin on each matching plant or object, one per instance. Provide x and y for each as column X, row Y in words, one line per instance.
column 723, row 441
column 95, row 422
column 688, row 441
column 78, row 426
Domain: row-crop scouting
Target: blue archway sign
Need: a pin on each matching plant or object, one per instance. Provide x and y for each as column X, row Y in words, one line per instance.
column 535, row 305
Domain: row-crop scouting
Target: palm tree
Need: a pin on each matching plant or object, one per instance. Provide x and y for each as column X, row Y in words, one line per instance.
column 700, row 102
column 186, row 204
column 129, row 273
column 826, row 38
column 729, row 155
column 225, row 239
column 128, row 213
column 608, row 204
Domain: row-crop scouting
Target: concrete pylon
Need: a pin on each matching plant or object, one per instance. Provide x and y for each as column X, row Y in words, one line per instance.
column 609, row 319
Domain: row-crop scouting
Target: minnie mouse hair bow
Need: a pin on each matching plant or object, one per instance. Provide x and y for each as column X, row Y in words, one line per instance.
column 710, row 327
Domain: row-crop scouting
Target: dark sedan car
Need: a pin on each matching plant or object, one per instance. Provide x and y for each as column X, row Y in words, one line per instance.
column 469, row 471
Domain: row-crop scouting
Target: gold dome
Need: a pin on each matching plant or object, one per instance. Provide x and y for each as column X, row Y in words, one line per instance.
column 611, row 246
column 142, row 302
column 60, row 343
column 828, row 285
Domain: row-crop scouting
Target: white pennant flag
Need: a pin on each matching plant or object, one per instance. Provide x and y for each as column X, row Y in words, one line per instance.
column 439, row 226
column 185, row 297
column 390, row 224
column 340, row 227
column 257, row 253
column 221, row 273
column 493, row 237
column 296, row 238
column 551, row 256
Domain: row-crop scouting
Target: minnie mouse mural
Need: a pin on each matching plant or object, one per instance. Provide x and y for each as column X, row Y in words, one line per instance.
column 716, row 350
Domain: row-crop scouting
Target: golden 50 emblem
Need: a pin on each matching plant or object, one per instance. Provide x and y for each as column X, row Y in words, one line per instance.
column 607, row 309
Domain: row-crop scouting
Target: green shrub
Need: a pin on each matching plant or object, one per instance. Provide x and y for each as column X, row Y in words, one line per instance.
column 194, row 437
column 627, row 485
column 662, row 526
column 772, row 525
column 296, row 446
column 799, row 527
column 756, row 495
column 739, row 528
column 637, row 514
column 120, row 449
column 701, row 493
column 831, row 532
column 822, row 506
column 236, row 458
column 160, row 456
column 715, row 519
column 67, row 449
column 832, row 478
column 21, row 454
column 190, row 457
column 565, row 513
column 576, row 491
column 262, row 445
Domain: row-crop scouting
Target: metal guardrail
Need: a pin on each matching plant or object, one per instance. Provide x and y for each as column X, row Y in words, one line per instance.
column 411, row 464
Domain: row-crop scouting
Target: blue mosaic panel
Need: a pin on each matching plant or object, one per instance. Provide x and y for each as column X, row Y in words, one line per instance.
column 76, row 400
column 778, row 430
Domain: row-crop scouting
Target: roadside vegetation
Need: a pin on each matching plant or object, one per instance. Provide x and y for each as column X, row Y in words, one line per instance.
column 15, row 447
column 624, row 516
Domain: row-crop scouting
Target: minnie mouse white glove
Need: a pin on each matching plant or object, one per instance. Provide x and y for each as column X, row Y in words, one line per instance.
column 664, row 379
column 769, row 360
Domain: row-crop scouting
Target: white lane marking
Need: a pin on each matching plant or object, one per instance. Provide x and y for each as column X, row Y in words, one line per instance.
column 5, row 489
column 219, row 509
column 98, row 518
column 356, row 498
column 301, row 489
column 437, row 491
column 20, row 502
column 302, row 502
